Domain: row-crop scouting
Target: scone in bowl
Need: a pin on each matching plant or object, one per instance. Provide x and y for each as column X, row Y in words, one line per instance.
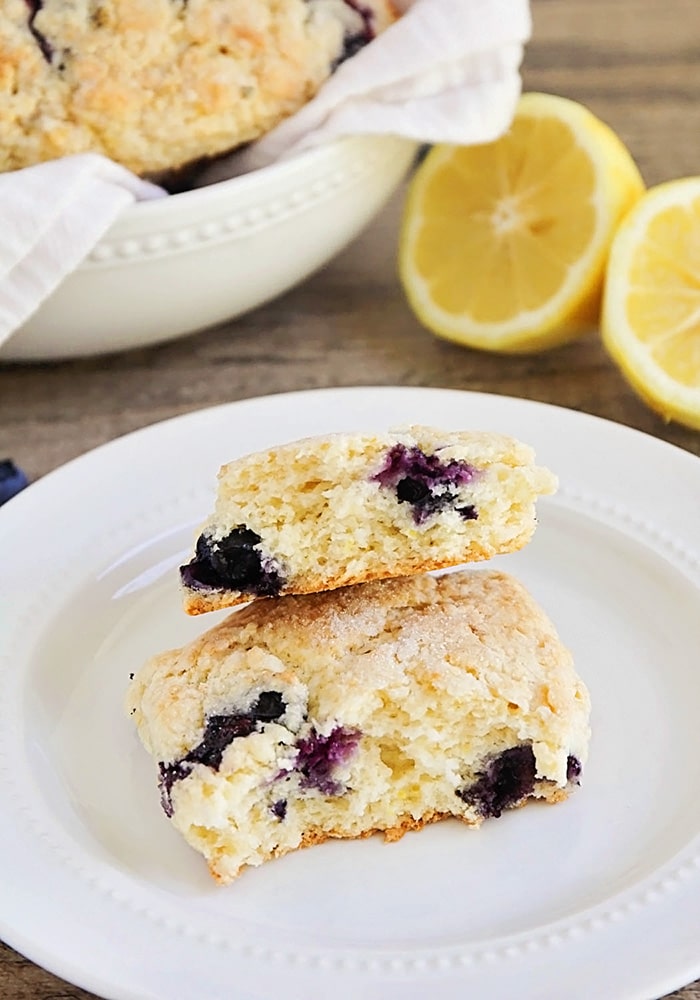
column 175, row 265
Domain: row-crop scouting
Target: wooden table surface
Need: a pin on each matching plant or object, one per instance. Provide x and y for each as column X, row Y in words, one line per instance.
column 634, row 62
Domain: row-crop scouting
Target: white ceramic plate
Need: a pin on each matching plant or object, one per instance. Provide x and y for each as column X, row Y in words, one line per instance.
column 598, row 897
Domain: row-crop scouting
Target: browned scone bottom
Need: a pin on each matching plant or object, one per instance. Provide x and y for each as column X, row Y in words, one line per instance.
column 375, row 708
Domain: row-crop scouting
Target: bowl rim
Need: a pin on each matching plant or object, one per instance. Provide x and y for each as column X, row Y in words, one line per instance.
column 255, row 178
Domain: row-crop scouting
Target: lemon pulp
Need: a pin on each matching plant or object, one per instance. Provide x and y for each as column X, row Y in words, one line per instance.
column 651, row 313
column 503, row 245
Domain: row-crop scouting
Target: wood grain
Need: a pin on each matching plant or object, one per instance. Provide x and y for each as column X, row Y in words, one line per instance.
column 634, row 62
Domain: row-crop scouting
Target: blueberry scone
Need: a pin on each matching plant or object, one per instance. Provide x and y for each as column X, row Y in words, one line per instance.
column 331, row 511
column 156, row 85
column 378, row 707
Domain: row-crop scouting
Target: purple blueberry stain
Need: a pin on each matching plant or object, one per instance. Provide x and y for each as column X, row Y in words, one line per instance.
column 505, row 780
column 45, row 46
column 356, row 40
column 573, row 770
column 468, row 513
column 12, row 480
column 279, row 809
column 234, row 562
column 367, row 15
column 168, row 774
column 425, row 482
column 318, row 756
column 219, row 732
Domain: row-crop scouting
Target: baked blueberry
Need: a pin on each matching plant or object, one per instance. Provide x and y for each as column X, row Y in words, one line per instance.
column 168, row 774
column 235, row 561
column 279, row 808
column 219, row 732
column 506, row 780
column 318, row 756
column 425, row 482
column 573, row 769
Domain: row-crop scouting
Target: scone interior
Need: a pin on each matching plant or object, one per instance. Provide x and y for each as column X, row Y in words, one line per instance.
column 347, row 508
column 380, row 707
column 159, row 84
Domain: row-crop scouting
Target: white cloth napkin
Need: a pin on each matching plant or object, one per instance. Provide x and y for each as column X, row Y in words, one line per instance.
column 52, row 216
column 446, row 71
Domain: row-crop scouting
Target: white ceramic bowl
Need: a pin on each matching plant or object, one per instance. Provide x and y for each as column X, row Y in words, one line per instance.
column 172, row 266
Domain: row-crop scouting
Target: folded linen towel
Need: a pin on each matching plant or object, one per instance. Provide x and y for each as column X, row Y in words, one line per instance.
column 447, row 71
column 52, row 217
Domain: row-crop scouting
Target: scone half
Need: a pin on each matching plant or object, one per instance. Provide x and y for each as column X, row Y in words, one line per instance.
column 341, row 509
column 379, row 707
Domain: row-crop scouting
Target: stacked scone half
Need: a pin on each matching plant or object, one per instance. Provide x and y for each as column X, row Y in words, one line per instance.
column 358, row 691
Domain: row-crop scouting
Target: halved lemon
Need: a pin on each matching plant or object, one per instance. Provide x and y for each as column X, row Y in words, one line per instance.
column 503, row 246
column 651, row 306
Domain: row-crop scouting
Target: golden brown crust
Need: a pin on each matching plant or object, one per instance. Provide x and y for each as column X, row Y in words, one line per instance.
column 199, row 604
column 159, row 84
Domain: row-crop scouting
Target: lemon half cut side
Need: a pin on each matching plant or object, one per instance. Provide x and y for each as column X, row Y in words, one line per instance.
column 503, row 245
column 651, row 306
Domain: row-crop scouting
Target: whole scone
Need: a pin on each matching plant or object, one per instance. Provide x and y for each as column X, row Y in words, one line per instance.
column 158, row 85
column 378, row 707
